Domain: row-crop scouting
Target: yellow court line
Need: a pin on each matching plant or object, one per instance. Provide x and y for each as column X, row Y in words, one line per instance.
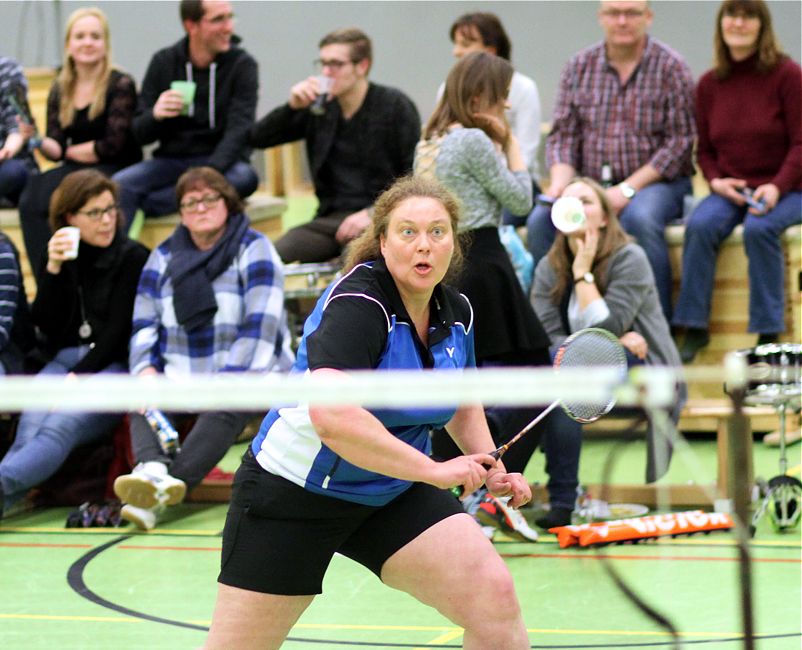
column 444, row 638
column 53, row 617
column 449, row 632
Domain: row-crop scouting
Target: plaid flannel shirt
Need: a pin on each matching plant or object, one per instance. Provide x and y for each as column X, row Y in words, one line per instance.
column 248, row 332
column 650, row 119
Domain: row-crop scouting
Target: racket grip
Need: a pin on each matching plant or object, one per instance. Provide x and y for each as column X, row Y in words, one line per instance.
column 459, row 490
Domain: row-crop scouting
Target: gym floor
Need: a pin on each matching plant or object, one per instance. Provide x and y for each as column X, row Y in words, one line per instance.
column 121, row 589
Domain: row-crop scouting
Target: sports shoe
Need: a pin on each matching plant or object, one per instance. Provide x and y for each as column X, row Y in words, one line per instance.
column 495, row 511
column 554, row 518
column 149, row 485
column 142, row 518
column 695, row 340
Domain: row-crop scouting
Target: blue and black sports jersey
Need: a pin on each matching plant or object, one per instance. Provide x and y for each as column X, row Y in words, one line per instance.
column 360, row 323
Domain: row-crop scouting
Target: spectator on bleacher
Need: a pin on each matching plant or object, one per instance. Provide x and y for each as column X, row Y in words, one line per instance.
column 483, row 32
column 83, row 309
column 359, row 138
column 598, row 277
column 210, row 300
column 469, row 147
column 16, row 161
column 16, row 329
column 89, row 112
column 624, row 116
column 749, row 116
column 210, row 130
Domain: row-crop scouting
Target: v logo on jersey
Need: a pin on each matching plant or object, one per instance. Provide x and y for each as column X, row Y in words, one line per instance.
column 450, row 352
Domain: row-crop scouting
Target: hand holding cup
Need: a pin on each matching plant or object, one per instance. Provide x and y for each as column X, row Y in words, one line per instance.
column 62, row 247
column 568, row 214
column 169, row 104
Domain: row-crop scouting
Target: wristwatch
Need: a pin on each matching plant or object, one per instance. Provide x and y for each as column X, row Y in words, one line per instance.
column 627, row 190
column 585, row 277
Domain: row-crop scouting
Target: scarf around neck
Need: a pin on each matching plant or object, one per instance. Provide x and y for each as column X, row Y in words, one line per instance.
column 192, row 271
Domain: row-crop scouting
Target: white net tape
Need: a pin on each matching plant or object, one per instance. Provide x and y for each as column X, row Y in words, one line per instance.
column 651, row 387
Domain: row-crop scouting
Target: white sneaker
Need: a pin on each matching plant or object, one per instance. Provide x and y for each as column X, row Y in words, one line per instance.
column 148, row 486
column 495, row 511
column 142, row 518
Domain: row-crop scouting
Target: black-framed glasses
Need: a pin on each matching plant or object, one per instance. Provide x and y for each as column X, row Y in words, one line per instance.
column 96, row 214
column 192, row 205
column 333, row 64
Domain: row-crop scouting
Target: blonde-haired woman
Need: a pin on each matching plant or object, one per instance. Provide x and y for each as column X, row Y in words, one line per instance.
column 89, row 112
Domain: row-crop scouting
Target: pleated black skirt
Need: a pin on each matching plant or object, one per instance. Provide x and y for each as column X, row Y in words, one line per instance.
column 507, row 331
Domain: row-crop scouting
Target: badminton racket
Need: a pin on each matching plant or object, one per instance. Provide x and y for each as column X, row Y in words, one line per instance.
column 592, row 347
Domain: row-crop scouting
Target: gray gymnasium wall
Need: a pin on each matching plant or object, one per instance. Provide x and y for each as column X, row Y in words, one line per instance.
column 412, row 50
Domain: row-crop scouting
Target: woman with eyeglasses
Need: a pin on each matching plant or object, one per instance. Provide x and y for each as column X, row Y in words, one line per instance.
column 90, row 109
column 210, row 300
column 83, row 311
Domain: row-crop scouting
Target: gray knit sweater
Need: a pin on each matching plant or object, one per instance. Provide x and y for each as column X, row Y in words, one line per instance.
column 468, row 163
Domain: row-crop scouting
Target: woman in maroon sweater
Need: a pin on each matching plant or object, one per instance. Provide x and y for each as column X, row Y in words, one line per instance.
column 749, row 116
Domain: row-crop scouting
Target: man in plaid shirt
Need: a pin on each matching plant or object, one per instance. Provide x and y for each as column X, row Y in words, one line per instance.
column 624, row 116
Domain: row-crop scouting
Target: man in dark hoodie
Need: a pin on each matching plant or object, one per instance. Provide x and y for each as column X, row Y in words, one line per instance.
column 212, row 129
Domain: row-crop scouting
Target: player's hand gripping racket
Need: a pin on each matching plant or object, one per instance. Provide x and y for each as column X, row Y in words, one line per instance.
column 590, row 347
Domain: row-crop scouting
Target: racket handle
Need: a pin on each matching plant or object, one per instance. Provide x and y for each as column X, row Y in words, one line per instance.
column 459, row 490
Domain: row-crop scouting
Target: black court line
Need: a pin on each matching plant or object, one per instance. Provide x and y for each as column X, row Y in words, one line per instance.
column 75, row 579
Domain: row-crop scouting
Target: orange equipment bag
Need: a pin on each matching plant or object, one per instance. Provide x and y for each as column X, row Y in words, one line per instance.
column 638, row 528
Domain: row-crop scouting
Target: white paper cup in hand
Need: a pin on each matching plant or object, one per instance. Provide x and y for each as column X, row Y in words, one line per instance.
column 324, row 84
column 568, row 214
column 74, row 236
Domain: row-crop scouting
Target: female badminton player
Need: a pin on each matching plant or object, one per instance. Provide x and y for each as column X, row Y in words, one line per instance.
column 324, row 479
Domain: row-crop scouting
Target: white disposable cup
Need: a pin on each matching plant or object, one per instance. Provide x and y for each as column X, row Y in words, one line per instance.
column 568, row 214
column 74, row 236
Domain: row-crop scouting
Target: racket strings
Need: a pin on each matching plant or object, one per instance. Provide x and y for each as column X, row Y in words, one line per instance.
column 591, row 348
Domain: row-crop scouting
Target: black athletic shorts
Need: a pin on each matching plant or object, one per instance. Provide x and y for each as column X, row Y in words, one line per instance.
column 279, row 538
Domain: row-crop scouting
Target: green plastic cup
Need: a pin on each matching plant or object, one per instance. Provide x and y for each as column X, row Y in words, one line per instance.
column 187, row 90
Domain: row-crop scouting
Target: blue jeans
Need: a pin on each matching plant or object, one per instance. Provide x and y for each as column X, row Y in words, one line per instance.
column 710, row 224
column 562, row 447
column 645, row 218
column 44, row 439
column 150, row 184
column 13, row 175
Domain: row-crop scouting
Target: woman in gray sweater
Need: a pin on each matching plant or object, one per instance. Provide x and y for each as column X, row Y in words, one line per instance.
column 598, row 277
column 468, row 146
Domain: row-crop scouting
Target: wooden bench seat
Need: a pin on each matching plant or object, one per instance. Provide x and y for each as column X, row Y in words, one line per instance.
column 730, row 309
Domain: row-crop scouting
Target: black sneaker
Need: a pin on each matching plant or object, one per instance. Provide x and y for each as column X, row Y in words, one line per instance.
column 765, row 339
column 555, row 517
column 695, row 340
